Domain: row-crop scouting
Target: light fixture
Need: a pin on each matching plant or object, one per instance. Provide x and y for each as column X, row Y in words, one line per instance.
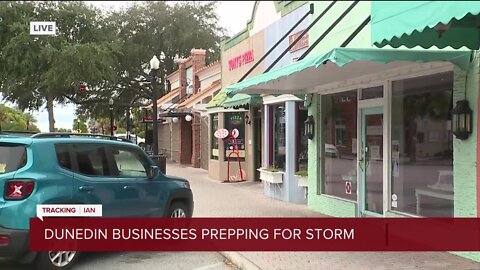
column 462, row 120
column 247, row 119
column 154, row 63
column 310, row 127
column 175, row 120
column 188, row 118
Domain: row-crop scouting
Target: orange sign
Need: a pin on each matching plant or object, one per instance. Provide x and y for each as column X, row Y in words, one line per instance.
column 302, row 43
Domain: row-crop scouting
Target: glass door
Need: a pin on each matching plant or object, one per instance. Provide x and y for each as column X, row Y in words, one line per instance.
column 371, row 161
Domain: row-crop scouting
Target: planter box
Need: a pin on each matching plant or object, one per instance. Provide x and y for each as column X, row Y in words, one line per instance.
column 271, row 177
column 302, row 181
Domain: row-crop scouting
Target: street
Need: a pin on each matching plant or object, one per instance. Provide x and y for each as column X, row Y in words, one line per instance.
column 144, row 260
column 246, row 199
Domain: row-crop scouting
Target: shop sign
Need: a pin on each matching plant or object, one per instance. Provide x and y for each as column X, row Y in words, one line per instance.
column 240, row 60
column 348, row 187
column 302, row 43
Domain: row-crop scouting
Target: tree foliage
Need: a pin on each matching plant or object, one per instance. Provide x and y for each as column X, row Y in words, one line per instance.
column 39, row 70
column 14, row 120
column 107, row 52
column 154, row 28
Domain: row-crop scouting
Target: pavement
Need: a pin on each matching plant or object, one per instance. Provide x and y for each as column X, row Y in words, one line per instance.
column 246, row 199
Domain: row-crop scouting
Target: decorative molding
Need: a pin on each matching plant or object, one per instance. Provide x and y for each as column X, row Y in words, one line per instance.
column 267, row 100
column 417, row 69
column 223, row 110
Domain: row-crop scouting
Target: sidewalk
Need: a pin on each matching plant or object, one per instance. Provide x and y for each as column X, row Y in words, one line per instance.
column 216, row 199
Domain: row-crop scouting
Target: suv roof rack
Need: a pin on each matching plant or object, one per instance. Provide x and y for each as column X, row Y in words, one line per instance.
column 16, row 132
column 70, row 135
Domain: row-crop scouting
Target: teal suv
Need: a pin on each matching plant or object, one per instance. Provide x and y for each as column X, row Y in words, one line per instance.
column 61, row 168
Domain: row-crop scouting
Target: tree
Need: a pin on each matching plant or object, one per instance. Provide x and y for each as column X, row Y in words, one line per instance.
column 39, row 70
column 80, row 124
column 14, row 120
column 63, row 130
column 146, row 29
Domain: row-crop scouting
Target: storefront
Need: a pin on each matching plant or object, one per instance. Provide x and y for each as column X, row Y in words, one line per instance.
column 383, row 143
column 244, row 56
column 234, row 160
column 284, row 116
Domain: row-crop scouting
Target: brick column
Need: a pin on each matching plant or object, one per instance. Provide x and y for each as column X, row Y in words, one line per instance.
column 196, row 141
column 182, row 76
column 198, row 62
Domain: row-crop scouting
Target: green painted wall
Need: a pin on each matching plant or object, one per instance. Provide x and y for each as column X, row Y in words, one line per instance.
column 343, row 29
column 465, row 152
column 317, row 202
column 326, row 204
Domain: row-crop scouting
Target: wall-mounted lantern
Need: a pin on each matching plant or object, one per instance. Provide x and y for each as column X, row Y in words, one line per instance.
column 310, row 127
column 462, row 120
column 247, row 119
column 188, row 118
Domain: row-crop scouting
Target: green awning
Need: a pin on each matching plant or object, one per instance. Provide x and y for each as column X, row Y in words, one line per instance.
column 218, row 99
column 239, row 100
column 414, row 23
column 339, row 65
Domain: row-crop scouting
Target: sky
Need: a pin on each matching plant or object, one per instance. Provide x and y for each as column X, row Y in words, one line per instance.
column 233, row 16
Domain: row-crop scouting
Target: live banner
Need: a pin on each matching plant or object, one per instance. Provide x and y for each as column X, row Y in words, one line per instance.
column 255, row 234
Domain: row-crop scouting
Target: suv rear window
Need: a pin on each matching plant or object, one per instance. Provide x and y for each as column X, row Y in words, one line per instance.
column 12, row 157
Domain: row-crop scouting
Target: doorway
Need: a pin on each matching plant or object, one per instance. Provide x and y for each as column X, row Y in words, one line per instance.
column 370, row 161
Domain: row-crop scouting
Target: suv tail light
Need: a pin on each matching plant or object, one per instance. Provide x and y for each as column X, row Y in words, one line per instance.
column 18, row 189
column 4, row 240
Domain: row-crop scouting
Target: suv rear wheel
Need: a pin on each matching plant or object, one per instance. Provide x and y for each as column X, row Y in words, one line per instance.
column 56, row 260
column 178, row 210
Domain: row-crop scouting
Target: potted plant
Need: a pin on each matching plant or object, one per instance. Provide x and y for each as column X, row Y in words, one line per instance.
column 302, row 177
column 271, row 174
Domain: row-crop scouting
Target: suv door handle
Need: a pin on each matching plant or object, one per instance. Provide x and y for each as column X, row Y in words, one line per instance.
column 129, row 188
column 85, row 188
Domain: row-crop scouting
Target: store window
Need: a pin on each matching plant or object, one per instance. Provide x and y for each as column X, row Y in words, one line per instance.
column 339, row 114
column 277, row 136
column 214, row 140
column 235, row 147
column 422, row 146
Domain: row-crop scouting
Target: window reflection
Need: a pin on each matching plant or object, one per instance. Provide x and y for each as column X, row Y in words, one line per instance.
column 340, row 143
column 279, row 136
column 421, row 146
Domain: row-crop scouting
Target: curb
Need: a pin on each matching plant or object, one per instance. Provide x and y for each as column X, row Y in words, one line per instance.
column 240, row 261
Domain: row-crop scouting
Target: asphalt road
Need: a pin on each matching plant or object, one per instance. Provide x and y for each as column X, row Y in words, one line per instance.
column 144, row 260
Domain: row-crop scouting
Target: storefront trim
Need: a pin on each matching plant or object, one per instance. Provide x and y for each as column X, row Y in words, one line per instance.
column 268, row 100
column 365, row 81
column 222, row 110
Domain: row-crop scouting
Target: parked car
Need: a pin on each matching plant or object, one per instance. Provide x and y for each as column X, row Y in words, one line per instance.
column 134, row 138
column 331, row 150
column 46, row 167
